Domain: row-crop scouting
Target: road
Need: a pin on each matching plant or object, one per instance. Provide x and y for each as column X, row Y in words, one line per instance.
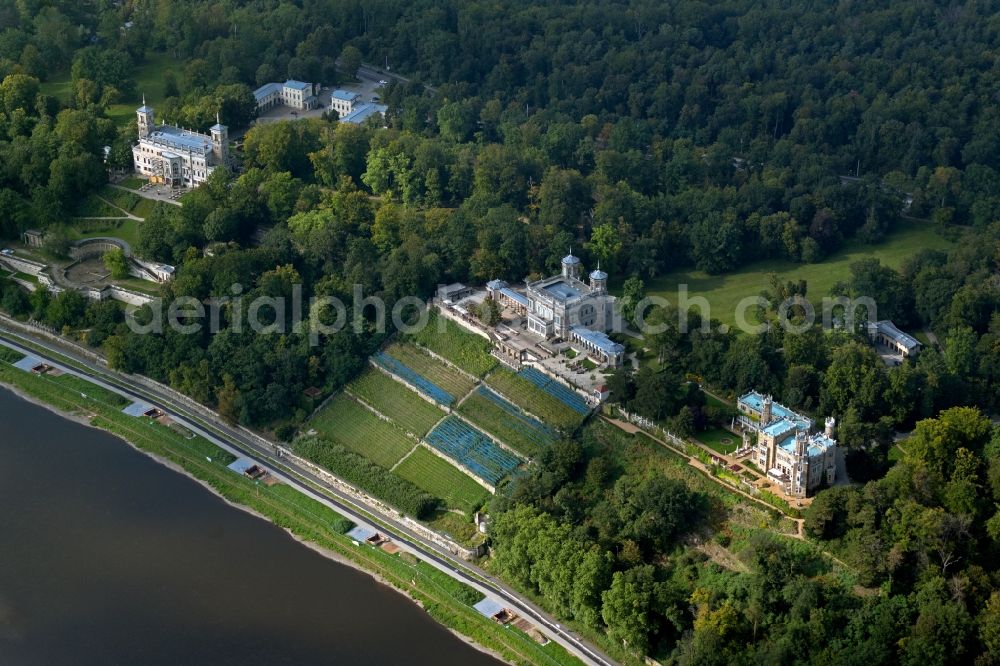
column 239, row 444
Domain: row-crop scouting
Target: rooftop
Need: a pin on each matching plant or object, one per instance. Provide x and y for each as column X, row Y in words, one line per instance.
column 889, row 330
column 515, row 296
column 265, row 90
column 598, row 275
column 755, row 401
column 346, row 95
column 816, row 445
column 363, row 113
column 174, row 137
column 570, row 259
column 561, row 291
column 297, row 85
column 488, row 607
column 599, row 340
column 779, row 427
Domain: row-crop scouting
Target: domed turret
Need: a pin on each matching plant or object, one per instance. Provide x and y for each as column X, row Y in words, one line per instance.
column 571, row 266
column 599, row 280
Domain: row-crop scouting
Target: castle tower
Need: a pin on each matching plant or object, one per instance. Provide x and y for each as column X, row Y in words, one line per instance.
column 145, row 120
column 571, row 266
column 831, row 423
column 220, row 141
column 599, row 281
column 765, row 413
column 771, row 445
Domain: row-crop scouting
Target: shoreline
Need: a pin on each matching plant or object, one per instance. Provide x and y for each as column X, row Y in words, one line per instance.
column 322, row 551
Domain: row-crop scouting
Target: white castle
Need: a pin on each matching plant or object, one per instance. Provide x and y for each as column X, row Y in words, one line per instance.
column 793, row 456
column 177, row 157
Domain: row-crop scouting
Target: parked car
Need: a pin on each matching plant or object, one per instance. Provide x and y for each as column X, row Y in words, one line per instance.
column 383, row 82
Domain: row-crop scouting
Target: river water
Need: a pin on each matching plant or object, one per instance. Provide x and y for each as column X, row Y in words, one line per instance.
column 107, row 557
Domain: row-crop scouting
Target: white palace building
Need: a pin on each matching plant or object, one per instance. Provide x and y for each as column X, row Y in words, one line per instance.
column 564, row 306
column 177, row 157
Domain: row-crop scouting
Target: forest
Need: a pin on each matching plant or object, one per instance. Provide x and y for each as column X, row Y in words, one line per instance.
column 646, row 136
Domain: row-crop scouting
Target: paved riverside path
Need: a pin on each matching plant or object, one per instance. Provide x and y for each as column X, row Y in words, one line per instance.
column 239, row 444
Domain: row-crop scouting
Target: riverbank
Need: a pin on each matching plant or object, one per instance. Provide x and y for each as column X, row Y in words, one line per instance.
column 443, row 598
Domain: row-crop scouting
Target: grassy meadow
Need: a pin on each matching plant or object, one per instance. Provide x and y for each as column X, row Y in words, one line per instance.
column 724, row 292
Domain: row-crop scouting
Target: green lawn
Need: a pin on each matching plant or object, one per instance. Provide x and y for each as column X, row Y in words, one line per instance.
column 724, row 292
column 457, row 526
column 148, row 81
column 132, row 182
column 125, row 229
column 144, row 286
column 144, row 207
column 396, row 401
column 93, row 205
column 121, row 198
column 715, row 437
column 442, row 479
column 8, row 355
column 443, row 376
column 466, row 350
column 348, row 423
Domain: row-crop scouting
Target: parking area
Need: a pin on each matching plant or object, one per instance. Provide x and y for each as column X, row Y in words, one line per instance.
column 367, row 86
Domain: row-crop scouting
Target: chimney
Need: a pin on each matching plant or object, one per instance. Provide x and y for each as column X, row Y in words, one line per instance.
column 831, row 423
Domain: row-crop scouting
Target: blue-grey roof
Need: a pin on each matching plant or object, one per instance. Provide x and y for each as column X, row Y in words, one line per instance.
column 137, row 409
column 819, row 443
column 496, row 284
column 599, row 340
column 217, row 127
column 265, row 90
column 570, row 259
column 598, row 275
column 561, row 291
column 241, row 465
column 346, row 95
column 779, row 427
column 488, row 607
column 27, row 363
column 360, row 533
column 755, row 401
column 144, row 109
column 363, row 113
column 174, row 137
column 816, row 445
column 297, row 85
column 889, row 330
column 521, row 299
